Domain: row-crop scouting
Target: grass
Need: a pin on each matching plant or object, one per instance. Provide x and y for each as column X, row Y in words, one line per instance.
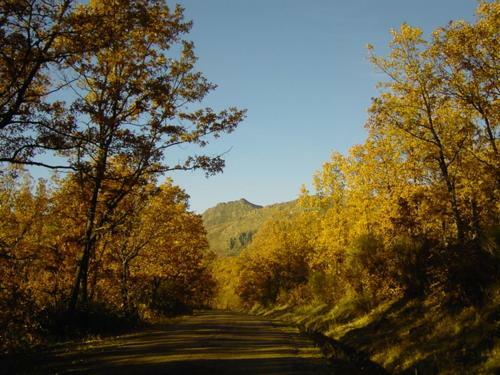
column 408, row 336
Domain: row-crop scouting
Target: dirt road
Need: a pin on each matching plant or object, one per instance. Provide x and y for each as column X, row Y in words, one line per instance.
column 210, row 342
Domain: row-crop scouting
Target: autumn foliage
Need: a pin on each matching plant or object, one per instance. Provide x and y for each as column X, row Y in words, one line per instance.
column 153, row 261
column 102, row 91
column 412, row 211
column 394, row 253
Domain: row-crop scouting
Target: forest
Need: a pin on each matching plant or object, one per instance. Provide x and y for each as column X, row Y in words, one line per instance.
column 101, row 244
column 394, row 252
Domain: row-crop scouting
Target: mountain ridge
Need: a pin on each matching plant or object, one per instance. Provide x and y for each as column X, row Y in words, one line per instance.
column 231, row 225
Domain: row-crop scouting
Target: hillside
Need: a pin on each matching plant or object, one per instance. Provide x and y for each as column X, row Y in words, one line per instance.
column 231, row 225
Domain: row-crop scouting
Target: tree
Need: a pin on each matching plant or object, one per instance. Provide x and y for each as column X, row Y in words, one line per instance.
column 131, row 235
column 467, row 58
column 31, row 32
column 432, row 130
column 173, row 263
column 25, row 258
column 275, row 261
column 134, row 104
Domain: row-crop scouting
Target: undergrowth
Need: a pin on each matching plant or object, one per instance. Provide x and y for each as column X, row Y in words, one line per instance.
column 407, row 335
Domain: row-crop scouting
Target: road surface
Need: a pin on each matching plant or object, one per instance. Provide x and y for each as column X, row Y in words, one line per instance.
column 209, row 342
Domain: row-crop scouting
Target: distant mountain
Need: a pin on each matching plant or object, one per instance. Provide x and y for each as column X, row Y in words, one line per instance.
column 231, row 225
column 228, row 211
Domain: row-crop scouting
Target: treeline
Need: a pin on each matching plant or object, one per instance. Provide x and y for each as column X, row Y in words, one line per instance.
column 104, row 92
column 150, row 259
column 395, row 254
column 413, row 211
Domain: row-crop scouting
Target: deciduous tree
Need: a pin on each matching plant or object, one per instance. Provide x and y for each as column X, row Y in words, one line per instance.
column 134, row 102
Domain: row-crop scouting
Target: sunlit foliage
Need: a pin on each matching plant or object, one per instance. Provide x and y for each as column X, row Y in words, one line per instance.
column 412, row 213
column 153, row 260
column 416, row 206
column 105, row 234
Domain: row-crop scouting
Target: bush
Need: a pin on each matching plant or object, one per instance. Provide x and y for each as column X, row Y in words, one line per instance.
column 408, row 264
column 328, row 287
column 97, row 318
column 462, row 275
column 20, row 327
column 258, row 282
column 167, row 301
column 369, row 266
column 319, row 284
column 296, row 296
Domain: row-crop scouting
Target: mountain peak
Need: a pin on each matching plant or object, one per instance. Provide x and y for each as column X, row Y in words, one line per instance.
column 230, row 225
column 241, row 203
column 248, row 203
column 229, row 210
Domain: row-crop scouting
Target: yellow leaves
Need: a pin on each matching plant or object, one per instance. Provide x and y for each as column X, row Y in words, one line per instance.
column 421, row 173
column 176, row 236
column 406, row 35
column 161, row 60
column 489, row 10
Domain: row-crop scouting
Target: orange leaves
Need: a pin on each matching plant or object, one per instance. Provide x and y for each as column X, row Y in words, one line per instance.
column 152, row 237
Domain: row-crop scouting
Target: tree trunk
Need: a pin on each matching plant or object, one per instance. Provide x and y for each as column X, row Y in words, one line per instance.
column 476, row 220
column 82, row 273
column 155, row 285
column 124, row 287
column 453, row 199
column 81, row 280
column 443, row 166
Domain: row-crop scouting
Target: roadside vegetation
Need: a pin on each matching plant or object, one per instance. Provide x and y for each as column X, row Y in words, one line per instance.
column 152, row 261
column 396, row 251
column 102, row 92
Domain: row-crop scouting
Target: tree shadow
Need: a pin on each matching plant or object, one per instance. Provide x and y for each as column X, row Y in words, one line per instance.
column 207, row 343
column 410, row 325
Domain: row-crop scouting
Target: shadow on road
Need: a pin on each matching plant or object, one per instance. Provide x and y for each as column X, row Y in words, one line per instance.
column 212, row 342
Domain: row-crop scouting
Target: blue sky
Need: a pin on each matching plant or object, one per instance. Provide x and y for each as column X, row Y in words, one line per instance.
column 301, row 70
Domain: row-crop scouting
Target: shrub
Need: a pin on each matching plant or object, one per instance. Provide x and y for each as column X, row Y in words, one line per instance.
column 369, row 268
column 327, row 286
column 97, row 318
column 166, row 300
column 408, row 266
column 462, row 275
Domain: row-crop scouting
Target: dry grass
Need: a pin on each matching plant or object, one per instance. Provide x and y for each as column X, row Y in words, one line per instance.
column 409, row 336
